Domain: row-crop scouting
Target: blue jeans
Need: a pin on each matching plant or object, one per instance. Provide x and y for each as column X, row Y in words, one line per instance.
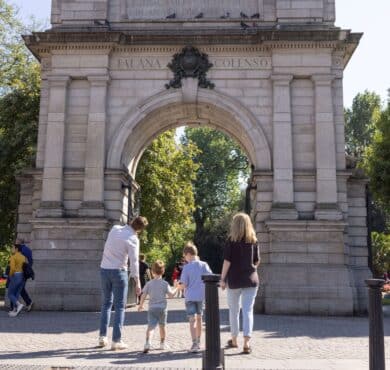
column 194, row 308
column 16, row 285
column 245, row 296
column 114, row 290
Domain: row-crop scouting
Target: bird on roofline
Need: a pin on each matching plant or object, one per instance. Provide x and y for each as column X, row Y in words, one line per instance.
column 171, row 16
column 104, row 22
column 243, row 15
column 199, row 16
column 243, row 25
column 256, row 15
column 225, row 16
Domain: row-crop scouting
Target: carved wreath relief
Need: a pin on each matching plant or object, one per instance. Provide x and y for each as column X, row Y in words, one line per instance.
column 190, row 63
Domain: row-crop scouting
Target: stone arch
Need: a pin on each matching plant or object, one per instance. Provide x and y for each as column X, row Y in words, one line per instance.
column 168, row 109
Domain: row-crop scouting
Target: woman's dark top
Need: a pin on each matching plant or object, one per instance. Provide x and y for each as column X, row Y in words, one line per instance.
column 242, row 257
column 143, row 267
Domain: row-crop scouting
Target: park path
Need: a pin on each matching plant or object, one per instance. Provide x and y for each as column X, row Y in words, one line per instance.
column 50, row 340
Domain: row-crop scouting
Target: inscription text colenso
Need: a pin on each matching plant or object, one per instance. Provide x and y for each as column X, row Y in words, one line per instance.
column 159, row 63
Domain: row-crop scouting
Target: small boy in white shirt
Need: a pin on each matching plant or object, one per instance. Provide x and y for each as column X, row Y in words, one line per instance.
column 157, row 289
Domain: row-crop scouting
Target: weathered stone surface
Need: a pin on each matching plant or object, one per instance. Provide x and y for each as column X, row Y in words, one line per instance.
column 278, row 93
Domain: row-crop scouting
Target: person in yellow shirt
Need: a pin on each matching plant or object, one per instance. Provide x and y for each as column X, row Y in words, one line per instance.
column 16, row 279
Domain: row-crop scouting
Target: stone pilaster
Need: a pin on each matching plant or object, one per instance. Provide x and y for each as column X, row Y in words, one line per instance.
column 93, row 198
column 283, row 198
column 52, row 182
column 326, row 199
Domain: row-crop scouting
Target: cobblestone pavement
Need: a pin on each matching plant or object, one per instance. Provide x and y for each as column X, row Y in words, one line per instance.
column 62, row 340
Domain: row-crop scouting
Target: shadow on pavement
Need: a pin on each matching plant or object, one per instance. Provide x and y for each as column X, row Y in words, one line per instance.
column 94, row 353
column 270, row 326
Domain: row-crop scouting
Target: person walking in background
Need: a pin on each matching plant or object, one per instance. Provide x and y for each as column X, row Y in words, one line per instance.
column 239, row 275
column 122, row 245
column 144, row 272
column 176, row 274
column 192, row 283
column 157, row 289
column 16, row 279
column 26, row 251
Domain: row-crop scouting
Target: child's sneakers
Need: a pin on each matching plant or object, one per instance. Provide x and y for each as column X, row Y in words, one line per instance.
column 195, row 348
column 163, row 346
column 147, row 347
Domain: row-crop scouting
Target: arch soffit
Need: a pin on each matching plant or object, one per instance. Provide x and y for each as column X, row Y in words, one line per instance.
column 133, row 135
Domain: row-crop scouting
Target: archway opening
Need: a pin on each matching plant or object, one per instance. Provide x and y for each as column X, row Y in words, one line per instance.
column 190, row 181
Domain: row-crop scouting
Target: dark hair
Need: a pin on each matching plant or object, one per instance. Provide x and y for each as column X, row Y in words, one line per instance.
column 19, row 247
column 139, row 223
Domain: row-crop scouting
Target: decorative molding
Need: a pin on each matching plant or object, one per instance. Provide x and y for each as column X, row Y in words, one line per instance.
column 190, row 63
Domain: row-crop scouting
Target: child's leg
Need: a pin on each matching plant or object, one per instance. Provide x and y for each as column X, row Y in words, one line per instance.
column 198, row 327
column 192, row 321
column 163, row 333
column 149, row 334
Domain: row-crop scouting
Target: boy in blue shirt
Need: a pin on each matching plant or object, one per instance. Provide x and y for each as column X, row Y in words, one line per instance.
column 191, row 280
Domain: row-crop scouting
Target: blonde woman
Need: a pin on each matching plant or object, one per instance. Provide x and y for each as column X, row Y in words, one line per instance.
column 239, row 275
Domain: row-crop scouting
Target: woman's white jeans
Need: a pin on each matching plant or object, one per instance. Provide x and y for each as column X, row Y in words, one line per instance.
column 244, row 297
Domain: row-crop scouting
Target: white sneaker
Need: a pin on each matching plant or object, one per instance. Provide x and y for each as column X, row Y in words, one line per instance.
column 146, row 347
column 29, row 307
column 103, row 341
column 163, row 346
column 118, row 346
column 19, row 307
column 10, row 312
column 195, row 348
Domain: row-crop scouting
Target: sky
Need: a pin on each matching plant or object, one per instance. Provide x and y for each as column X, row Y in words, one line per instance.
column 369, row 67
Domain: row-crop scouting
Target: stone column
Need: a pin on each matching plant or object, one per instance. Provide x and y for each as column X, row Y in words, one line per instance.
column 93, row 199
column 326, row 208
column 283, row 197
column 52, row 189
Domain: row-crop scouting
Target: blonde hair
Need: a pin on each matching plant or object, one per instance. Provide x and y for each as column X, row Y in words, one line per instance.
column 158, row 267
column 241, row 229
column 191, row 249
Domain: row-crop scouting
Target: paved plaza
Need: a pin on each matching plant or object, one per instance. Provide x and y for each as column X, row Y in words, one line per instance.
column 46, row 340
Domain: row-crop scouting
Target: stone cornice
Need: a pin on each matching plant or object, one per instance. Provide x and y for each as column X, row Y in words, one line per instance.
column 41, row 43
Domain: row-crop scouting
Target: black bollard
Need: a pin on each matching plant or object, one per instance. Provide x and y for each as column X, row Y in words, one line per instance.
column 375, row 313
column 213, row 358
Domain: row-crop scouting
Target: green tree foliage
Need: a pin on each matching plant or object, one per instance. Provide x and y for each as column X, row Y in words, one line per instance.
column 19, row 109
column 18, row 68
column 377, row 160
column 165, row 173
column 360, row 122
column 222, row 165
column 380, row 253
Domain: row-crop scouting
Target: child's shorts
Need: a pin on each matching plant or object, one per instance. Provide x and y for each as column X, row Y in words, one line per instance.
column 157, row 316
column 194, row 307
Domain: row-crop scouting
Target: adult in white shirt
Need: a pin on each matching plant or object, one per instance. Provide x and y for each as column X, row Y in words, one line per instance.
column 122, row 245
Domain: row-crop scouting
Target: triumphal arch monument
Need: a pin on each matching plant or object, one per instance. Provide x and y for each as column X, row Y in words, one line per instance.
column 269, row 73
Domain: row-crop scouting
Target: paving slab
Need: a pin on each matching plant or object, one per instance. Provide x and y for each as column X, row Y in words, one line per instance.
column 67, row 340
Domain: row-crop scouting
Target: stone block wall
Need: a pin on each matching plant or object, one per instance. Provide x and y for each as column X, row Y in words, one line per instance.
column 82, row 12
column 67, row 254
column 305, row 271
column 78, row 11
column 357, row 241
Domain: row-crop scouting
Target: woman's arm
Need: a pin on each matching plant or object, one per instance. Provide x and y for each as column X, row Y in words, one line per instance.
column 12, row 266
column 225, row 269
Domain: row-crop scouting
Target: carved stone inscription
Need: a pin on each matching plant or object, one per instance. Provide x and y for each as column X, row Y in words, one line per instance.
column 219, row 63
